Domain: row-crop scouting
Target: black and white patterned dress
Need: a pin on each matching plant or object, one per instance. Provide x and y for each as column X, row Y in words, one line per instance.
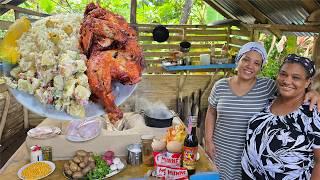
column 281, row 147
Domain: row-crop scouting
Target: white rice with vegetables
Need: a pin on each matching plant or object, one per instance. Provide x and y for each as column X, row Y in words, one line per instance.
column 51, row 66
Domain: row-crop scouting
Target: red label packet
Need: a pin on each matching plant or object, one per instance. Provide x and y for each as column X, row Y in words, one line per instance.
column 167, row 159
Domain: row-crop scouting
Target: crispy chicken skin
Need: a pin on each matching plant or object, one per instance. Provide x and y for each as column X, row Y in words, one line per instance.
column 113, row 55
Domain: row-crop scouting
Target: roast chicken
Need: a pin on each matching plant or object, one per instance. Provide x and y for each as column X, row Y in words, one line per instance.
column 113, row 55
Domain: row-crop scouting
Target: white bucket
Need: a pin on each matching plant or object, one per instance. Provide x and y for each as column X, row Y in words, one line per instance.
column 204, row 59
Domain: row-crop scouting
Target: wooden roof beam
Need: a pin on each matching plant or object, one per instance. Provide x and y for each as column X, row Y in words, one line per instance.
column 258, row 15
column 5, row 1
column 220, row 9
column 285, row 27
column 310, row 5
column 22, row 10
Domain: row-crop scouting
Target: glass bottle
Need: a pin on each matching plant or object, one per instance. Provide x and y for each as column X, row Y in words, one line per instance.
column 212, row 49
column 147, row 156
column 224, row 51
column 191, row 142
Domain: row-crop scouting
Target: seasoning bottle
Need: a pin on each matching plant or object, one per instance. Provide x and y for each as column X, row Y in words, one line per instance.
column 147, row 152
column 190, row 147
column 224, row 51
column 212, row 55
column 47, row 153
column 36, row 153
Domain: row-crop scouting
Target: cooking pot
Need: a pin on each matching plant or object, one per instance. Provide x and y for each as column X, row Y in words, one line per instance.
column 160, row 33
column 185, row 46
column 158, row 122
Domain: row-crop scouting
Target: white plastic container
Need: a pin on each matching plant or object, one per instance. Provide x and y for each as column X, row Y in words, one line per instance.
column 204, row 59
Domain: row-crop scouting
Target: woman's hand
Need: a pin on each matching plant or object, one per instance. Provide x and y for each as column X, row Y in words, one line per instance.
column 314, row 98
column 210, row 149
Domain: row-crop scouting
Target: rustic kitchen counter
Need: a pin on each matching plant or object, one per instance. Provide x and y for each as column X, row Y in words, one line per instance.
column 20, row 158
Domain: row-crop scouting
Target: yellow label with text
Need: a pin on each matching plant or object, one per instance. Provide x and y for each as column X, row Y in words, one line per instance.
column 189, row 157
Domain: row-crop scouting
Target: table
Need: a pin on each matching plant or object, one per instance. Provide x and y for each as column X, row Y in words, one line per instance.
column 19, row 159
column 208, row 67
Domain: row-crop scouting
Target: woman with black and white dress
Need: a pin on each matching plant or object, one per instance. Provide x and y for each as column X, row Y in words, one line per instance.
column 283, row 141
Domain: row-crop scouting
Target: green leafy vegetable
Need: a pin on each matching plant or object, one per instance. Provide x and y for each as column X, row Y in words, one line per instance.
column 101, row 169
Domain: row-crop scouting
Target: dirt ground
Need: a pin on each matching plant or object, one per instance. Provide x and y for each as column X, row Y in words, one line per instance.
column 9, row 147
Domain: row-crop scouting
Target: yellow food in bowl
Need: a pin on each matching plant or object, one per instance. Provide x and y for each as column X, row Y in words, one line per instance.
column 36, row 170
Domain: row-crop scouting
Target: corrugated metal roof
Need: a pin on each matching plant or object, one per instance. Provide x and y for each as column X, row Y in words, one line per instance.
column 234, row 9
column 282, row 11
column 277, row 11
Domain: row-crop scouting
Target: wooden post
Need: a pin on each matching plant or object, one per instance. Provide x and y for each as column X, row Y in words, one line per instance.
column 316, row 51
column 26, row 118
column 5, row 112
column 316, row 58
column 133, row 12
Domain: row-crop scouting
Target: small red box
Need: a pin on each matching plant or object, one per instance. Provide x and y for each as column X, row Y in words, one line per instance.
column 167, row 159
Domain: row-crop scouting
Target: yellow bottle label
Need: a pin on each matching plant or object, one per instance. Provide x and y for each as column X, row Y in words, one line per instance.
column 189, row 157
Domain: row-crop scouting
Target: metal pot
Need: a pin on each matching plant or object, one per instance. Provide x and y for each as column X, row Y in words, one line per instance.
column 157, row 122
column 185, row 46
column 160, row 33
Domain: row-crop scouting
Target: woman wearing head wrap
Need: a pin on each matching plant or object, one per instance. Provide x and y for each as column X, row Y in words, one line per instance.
column 232, row 102
column 283, row 140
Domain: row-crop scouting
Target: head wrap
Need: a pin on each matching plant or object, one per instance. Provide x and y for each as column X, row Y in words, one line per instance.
column 307, row 64
column 252, row 46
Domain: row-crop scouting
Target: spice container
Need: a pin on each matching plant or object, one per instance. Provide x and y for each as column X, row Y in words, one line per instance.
column 47, row 153
column 147, row 156
column 36, row 153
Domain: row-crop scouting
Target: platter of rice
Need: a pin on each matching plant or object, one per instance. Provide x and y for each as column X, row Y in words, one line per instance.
column 50, row 77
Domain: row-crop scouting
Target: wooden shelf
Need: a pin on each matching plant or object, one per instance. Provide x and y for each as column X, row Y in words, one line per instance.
column 199, row 67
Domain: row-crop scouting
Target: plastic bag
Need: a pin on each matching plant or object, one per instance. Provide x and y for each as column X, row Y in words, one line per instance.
column 84, row 130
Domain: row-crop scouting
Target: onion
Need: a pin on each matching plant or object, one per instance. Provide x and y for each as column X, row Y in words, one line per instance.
column 109, row 154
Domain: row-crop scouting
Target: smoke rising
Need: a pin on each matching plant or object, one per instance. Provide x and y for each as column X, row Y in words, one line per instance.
column 153, row 109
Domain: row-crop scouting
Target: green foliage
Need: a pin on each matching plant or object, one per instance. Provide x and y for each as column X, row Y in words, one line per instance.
column 148, row 11
column 47, row 5
column 164, row 12
column 213, row 15
column 271, row 68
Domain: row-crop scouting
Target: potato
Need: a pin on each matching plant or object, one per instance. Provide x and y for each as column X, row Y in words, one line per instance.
column 92, row 165
column 82, row 164
column 81, row 153
column 66, row 166
column 74, row 167
column 86, row 159
column 91, row 159
column 68, row 172
column 77, row 175
column 86, row 170
column 76, row 159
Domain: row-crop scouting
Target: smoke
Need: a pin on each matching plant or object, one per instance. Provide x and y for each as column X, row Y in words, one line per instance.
column 153, row 109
